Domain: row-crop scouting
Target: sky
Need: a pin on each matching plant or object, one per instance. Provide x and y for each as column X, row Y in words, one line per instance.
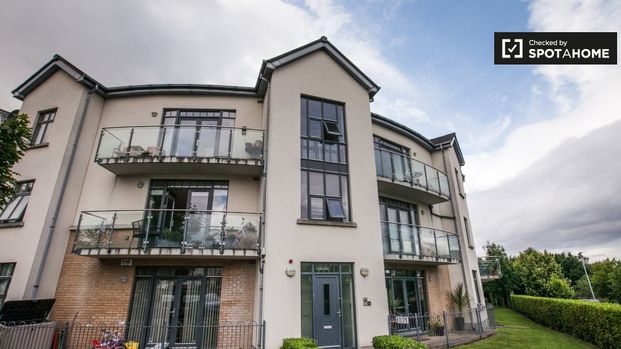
column 540, row 142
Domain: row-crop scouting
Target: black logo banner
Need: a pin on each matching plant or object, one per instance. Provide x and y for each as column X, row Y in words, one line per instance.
column 555, row 48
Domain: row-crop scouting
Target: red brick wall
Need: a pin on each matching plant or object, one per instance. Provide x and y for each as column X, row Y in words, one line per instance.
column 90, row 290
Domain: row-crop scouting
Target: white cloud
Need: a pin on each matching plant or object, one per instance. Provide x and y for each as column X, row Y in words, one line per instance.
column 160, row 41
column 554, row 183
column 586, row 95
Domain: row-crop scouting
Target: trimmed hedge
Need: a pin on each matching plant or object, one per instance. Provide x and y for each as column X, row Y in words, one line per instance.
column 298, row 343
column 597, row 323
column 396, row 342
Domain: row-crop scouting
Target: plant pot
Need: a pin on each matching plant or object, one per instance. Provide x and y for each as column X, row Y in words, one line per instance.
column 459, row 323
column 440, row 331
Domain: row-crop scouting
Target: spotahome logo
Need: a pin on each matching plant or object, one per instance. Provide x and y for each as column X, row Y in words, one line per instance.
column 555, row 48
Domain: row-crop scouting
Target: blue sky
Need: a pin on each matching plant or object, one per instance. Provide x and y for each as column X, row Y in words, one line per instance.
column 540, row 141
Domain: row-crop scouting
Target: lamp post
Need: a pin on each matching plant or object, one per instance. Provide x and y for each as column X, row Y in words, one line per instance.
column 584, row 259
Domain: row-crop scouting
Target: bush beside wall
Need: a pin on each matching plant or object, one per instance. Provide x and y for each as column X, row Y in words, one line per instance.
column 597, row 323
column 396, row 342
column 298, row 343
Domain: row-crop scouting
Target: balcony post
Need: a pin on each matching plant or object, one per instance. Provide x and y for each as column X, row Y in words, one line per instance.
column 162, row 141
column 222, row 233
column 129, row 144
column 420, row 244
column 435, row 243
column 98, row 146
column 230, row 143
column 400, row 241
column 260, row 238
column 196, row 138
column 145, row 241
column 77, row 233
column 111, row 232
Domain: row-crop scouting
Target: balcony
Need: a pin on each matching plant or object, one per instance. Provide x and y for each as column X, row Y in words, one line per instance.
column 489, row 269
column 141, row 233
column 176, row 149
column 407, row 242
column 405, row 178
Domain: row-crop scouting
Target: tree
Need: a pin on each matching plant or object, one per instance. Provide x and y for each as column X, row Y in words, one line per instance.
column 499, row 290
column 14, row 139
column 541, row 275
column 571, row 266
column 606, row 280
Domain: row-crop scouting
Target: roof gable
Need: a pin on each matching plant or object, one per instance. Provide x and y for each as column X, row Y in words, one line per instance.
column 322, row 44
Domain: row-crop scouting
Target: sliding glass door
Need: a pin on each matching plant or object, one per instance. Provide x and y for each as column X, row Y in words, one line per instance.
column 176, row 307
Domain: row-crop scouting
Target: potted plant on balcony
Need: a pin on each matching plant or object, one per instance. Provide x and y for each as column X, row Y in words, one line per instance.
column 461, row 301
column 436, row 327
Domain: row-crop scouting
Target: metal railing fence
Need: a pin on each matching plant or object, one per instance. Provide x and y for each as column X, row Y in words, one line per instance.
column 447, row 329
column 54, row 335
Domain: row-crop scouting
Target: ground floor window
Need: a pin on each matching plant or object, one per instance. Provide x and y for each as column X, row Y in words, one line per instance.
column 328, row 313
column 406, row 292
column 176, row 307
column 6, row 273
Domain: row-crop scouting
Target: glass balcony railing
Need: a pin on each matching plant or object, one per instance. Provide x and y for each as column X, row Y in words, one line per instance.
column 414, row 240
column 489, row 268
column 180, row 229
column 402, row 168
column 180, row 141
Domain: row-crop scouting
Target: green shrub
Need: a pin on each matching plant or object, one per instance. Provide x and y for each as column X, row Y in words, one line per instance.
column 298, row 343
column 597, row 323
column 396, row 342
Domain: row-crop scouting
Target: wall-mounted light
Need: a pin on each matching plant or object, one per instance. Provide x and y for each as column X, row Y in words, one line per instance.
column 290, row 270
column 154, row 114
column 364, row 271
column 123, row 279
column 140, row 184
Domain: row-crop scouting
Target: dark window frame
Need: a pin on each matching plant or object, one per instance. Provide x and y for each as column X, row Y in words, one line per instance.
column 40, row 123
column 10, row 265
column 320, row 164
column 19, row 194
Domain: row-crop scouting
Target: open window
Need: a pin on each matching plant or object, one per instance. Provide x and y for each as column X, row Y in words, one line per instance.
column 331, row 130
column 16, row 207
column 335, row 209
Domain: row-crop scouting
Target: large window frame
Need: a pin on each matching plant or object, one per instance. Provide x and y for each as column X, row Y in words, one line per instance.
column 324, row 164
column 41, row 126
column 15, row 209
column 6, row 274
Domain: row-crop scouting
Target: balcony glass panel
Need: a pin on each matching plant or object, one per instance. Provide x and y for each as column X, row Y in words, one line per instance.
column 399, row 167
column 180, row 141
column 428, row 243
column 408, row 239
column 187, row 229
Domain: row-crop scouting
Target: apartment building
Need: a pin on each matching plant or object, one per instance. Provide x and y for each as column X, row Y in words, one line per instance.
column 184, row 208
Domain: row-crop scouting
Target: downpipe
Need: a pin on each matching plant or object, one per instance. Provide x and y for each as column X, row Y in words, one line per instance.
column 52, row 226
column 264, row 202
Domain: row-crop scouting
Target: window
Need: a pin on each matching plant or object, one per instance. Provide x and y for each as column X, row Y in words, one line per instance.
column 6, row 273
column 475, row 279
column 325, row 182
column 40, row 133
column 468, row 233
column 16, row 207
column 458, row 180
column 399, row 232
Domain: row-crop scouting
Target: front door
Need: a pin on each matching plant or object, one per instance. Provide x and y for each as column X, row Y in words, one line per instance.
column 327, row 311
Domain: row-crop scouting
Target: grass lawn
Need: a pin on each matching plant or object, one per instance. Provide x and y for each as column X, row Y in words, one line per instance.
column 516, row 331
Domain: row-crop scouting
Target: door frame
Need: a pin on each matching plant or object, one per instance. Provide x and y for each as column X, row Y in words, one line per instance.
column 210, row 272
column 336, row 279
column 339, row 275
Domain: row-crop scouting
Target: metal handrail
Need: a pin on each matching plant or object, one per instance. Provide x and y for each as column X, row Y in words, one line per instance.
column 410, row 158
column 420, row 226
column 186, row 126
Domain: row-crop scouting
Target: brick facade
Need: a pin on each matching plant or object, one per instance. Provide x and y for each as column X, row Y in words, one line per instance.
column 91, row 289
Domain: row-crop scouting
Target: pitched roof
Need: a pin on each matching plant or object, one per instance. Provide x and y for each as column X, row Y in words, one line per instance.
column 265, row 73
column 451, row 141
column 321, row 44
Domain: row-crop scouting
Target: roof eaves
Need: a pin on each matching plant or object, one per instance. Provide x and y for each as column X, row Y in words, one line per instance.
column 400, row 128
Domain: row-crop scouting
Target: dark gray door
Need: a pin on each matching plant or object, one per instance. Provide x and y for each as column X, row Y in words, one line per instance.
column 327, row 311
